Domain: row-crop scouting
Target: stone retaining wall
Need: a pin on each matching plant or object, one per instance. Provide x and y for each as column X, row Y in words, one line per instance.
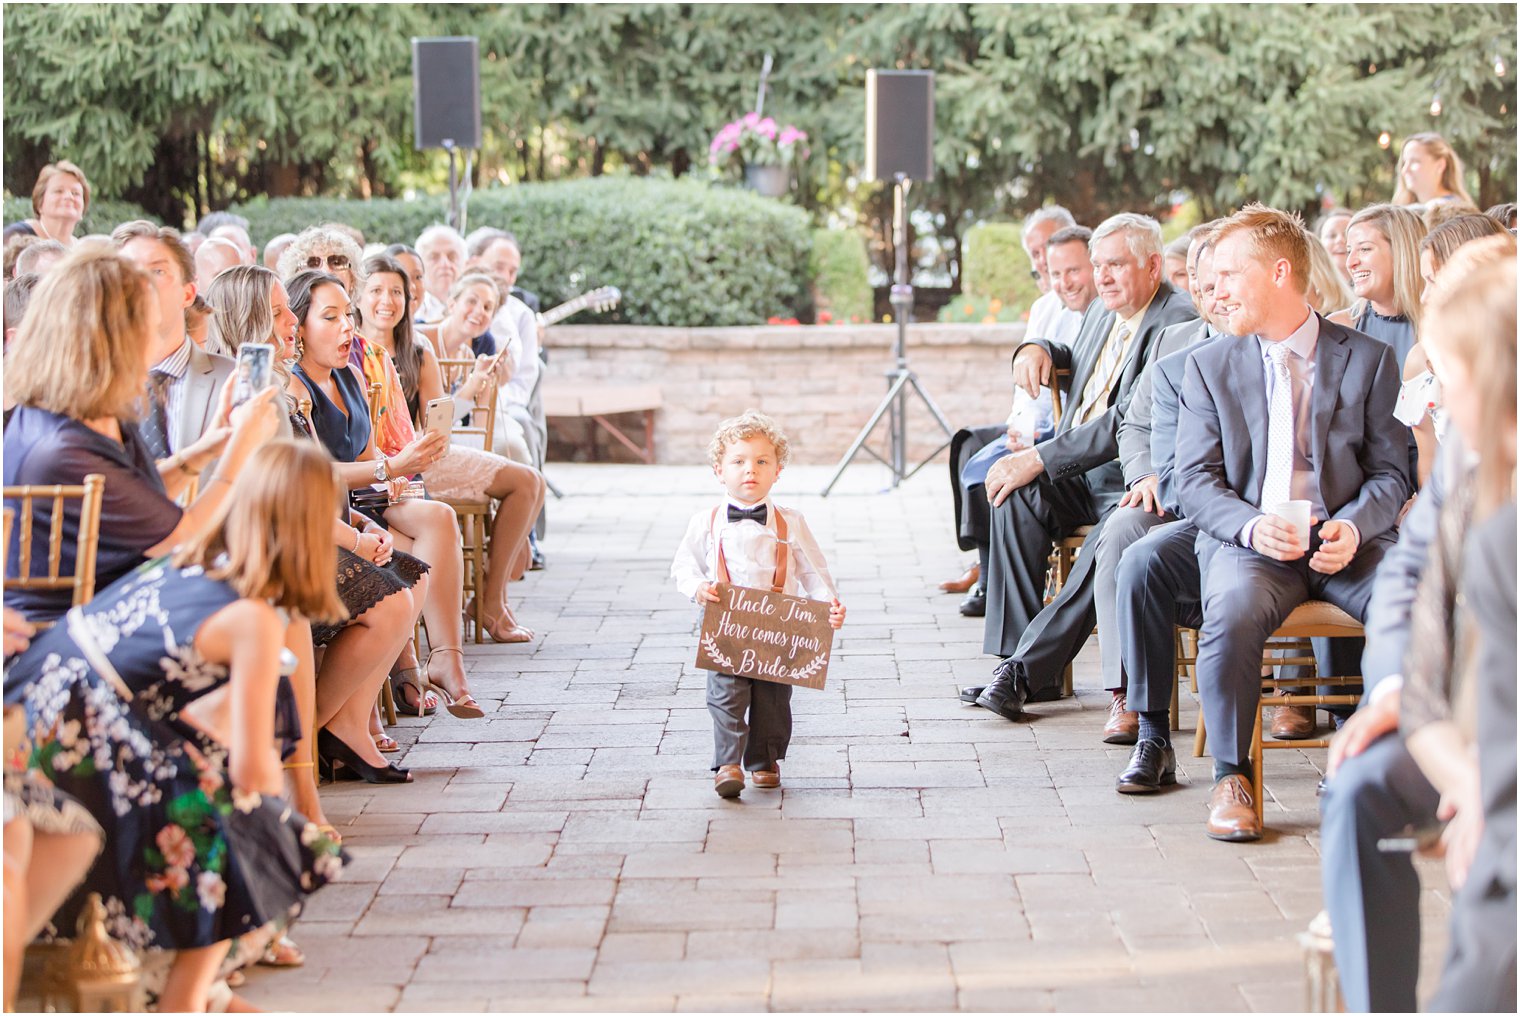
column 822, row 382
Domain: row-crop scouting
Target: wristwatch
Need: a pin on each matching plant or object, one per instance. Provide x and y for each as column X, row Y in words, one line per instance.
column 382, row 470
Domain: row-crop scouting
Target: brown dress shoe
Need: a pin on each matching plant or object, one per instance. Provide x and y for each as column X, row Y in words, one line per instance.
column 728, row 781
column 1123, row 726
column 1232, row 816
column 965, row 582
column 1293, row 723
column 767, row 779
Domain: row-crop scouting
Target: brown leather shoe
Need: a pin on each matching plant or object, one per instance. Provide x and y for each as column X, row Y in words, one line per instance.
column 1232, row 816
column 728, row 781
column 1293, row 723
column 972, row 577
column 1123, row 726
column 766, row 779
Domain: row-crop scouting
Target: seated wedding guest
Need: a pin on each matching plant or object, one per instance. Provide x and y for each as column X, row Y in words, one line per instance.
column 471, row 305
column 1442, row 212
column 1429, row 171
column 1375, row 789
column 184, row 381
column 1174, row 262
column 410, row 263
column 1384, row 260
column 497, row 253
column 1422, row 392
column 476, row 243
column 382, row 588
column 340, row 417
column 227, row 226
column 13, row 248
column 77, row 370
column 18, row 293
column 1329, row 290
column 214, row 256
column 212, row 221
column 1330, row 438
column 1075, row 478
column 1055, row 314
column 39, row 258
column 1503, row 214
column 157, row 710
column 1331, row 231
column 442, row 252
column 463, row 473
column 60, row 197
column 326, row 248
column 276, row 247
column 1459, row 673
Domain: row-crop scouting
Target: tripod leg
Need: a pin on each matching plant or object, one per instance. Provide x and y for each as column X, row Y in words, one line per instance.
column 933, row 409
column 865, row 432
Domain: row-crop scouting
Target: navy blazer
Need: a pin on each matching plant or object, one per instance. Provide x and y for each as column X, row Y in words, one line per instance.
column 1090, row 447
column 1359, row 452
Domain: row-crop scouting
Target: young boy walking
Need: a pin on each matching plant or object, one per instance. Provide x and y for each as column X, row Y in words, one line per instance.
column 752, row 720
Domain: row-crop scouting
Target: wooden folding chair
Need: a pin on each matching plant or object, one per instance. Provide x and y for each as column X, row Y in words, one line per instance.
column 23, row 500
column 1063, row 553
column 475, row 517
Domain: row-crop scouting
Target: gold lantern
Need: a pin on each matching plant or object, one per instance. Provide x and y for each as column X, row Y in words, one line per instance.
column 95, row 973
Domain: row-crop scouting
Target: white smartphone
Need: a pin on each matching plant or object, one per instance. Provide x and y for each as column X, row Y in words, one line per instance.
column 254, row 371
column 440, row 415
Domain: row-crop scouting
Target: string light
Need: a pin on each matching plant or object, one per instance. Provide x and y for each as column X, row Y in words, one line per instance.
column 1435, row 105
column 1385, row 139
column 1499, row 66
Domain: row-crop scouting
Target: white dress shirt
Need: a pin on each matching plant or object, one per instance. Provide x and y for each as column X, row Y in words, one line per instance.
column 522, row 323
column 749, row 550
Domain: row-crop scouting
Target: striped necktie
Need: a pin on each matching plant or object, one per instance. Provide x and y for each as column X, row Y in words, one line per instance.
column 1277, row 482
column 1095, row 392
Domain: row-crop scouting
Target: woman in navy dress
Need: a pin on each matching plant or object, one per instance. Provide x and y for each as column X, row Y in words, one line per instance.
column 154, row 706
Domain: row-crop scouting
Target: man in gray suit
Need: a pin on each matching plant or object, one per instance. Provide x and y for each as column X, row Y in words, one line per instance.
column 1075, row 478
column 180, row 425
column 1299, row 409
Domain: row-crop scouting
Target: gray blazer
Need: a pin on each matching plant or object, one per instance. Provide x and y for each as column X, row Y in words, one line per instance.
column 1488, row 581
column 203, row 384
column 1093, row 447
column 1136, row 455
column 1359, row 451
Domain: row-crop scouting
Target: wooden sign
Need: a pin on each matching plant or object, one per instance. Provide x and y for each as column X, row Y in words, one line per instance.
column 767, row 636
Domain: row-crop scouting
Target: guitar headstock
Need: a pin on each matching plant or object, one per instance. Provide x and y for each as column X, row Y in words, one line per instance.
column 604, row 298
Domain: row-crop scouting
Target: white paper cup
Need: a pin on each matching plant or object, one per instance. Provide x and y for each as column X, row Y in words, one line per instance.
column 1296, row 514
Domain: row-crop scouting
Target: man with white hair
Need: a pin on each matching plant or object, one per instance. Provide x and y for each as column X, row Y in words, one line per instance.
column 1075, row 478
column 443, row 253
column 515, row 326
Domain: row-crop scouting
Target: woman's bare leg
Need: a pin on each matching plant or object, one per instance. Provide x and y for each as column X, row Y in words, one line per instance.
column 433, row 531
column 355, row 664
column 188, row 986
column 521, row 492
column 302, row 776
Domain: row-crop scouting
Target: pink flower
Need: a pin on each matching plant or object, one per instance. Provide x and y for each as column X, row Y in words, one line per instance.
column 172, row 880
column 750, row 119
column 210, row 782
column 174, row 843
column 211, row 890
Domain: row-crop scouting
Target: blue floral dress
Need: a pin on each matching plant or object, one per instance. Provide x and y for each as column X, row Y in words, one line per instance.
column 188, row 860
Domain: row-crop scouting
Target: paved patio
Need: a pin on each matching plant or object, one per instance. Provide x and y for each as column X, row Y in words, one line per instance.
column 568, row 853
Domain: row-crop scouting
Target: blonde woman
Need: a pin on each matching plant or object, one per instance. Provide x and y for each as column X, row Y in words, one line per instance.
column 60, row 197
column 1328, row 291
column 1429, row 171
column 1383, row 256
column 200, row 847
column 77, row 370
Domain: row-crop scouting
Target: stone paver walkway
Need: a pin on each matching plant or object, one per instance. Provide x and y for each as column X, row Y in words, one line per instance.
column 568, row 853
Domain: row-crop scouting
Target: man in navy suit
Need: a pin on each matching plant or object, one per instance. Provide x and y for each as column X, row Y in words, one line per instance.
column 1297, row 409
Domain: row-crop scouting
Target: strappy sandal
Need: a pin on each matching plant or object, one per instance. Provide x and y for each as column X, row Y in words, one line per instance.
column 400, row 680
column 385, row 743
column 464, row 707
column 515, row 633
column 282, row 952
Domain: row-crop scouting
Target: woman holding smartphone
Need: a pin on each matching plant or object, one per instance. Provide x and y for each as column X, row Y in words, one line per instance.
column 463, row 473
column 340, row 418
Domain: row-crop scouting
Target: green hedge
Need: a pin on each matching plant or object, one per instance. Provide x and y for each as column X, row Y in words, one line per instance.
column 839, row 267
column 683, row 252
column 103, row 216
column 995, row 265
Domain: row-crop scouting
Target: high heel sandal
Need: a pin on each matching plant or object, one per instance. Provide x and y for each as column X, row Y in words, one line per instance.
column 400, row 679
column 465, row 707
column 385, row 744
column 514, row 633
column 336, row 757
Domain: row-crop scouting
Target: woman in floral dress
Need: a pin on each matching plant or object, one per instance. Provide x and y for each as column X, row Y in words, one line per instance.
column 155, row 706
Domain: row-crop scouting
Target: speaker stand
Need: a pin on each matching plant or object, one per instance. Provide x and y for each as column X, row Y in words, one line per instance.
column 901, row 378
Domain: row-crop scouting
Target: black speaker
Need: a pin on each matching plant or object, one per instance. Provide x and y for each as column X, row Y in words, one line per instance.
column 446, row 92
column 899, row 124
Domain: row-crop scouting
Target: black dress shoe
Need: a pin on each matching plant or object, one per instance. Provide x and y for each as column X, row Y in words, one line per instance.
column 1152, row 765
column 335, row 758
column 970, row 693
column 1003, row 696
column 975, row 603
